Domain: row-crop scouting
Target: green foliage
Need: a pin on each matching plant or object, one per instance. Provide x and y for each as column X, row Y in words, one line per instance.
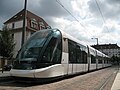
column 7, row 43
column 115, row 60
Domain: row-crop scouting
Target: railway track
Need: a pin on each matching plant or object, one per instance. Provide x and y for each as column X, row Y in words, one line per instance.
column 103, row 85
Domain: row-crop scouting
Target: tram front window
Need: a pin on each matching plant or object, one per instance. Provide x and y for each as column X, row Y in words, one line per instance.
column 33, row 46
column 43, row 47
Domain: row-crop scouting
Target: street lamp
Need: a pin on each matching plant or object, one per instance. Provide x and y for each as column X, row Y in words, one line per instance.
column 96, row 39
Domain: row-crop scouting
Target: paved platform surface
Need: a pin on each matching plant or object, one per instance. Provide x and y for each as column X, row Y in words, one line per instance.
column 116, row 84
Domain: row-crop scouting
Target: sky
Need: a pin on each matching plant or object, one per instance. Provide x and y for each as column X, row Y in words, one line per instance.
column 83, row 19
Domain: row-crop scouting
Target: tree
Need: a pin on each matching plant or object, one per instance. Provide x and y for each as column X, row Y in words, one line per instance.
column 7, row 44
column 115, row 60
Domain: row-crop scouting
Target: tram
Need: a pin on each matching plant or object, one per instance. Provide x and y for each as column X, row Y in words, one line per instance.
column 51, row 53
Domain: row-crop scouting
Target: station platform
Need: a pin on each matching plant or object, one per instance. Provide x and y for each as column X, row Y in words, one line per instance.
column 116, row 83
column 115, row 86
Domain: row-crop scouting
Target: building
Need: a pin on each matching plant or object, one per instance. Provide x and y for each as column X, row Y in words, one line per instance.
column 33, row 24
column 108, row 49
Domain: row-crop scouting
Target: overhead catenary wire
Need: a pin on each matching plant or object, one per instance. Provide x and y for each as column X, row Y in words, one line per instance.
column 69, row 12
column 104, row 21
column 73, row 16
column 100, row 11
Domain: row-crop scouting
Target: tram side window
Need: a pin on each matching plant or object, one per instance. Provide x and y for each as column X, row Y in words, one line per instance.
column 93, row 59
column 53, row 52
column 105, row 61
column 57, row 53
column 78, row 54
column 72, row 51
column 84, row 57
column 99, row 60
column 81, row 55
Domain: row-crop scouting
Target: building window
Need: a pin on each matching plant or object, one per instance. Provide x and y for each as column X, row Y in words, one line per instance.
column 42, row 26
column 13, row 25
column 48, row 27
column 34, row 24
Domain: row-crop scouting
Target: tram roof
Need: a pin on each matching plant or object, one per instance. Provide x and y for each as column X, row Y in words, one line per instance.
column 68, row 36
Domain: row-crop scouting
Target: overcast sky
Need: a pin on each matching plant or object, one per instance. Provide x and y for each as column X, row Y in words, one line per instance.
column 89, row 23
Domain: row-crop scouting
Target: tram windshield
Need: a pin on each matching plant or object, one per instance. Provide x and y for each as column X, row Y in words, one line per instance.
column 44, row 46
column 33, row 46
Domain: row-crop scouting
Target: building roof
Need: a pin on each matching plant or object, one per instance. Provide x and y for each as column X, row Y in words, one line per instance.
column 106, row 46
column 19, row 16
column 31, row 17
column 16, row 17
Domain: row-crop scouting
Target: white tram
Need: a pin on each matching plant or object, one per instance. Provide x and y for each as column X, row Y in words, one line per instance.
column 52, row 53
